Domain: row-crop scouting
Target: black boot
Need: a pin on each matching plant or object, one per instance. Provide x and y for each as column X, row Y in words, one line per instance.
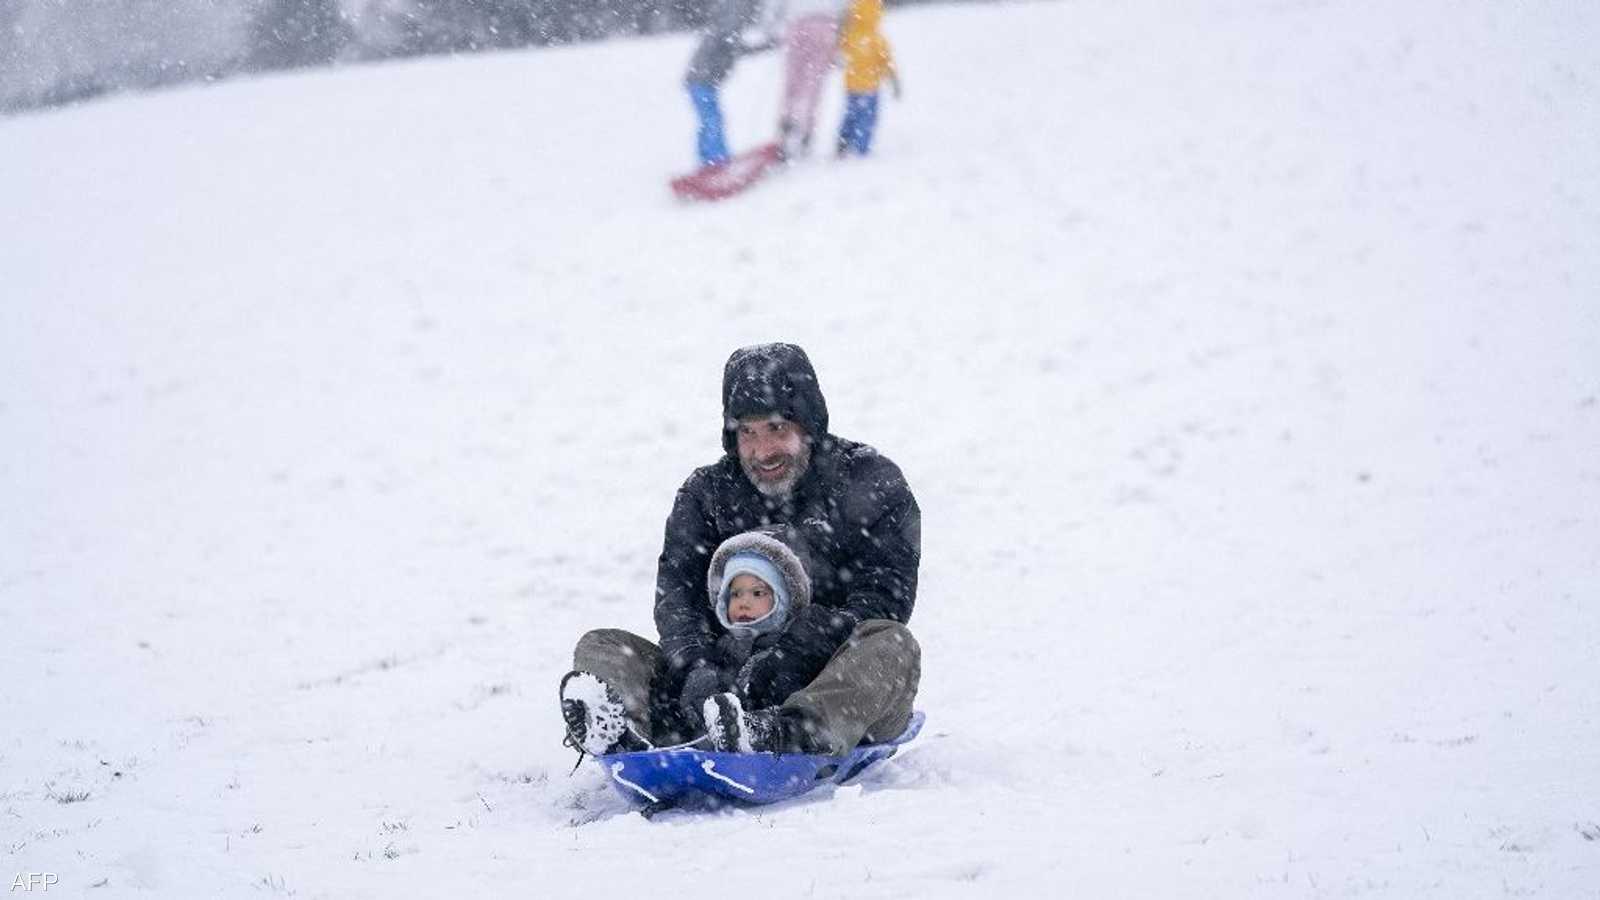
column 597, row 723
column 775, row 729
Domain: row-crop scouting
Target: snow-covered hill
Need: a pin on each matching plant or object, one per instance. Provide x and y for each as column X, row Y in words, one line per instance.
column 1244, row 357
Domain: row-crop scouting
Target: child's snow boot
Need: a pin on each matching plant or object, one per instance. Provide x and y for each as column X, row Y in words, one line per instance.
column 792, row 142
column 772, row 730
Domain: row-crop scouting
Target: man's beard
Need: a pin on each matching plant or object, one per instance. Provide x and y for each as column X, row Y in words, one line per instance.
column 798, row 464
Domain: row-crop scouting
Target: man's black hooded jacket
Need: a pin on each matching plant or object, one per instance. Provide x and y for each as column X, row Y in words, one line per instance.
column 852, row 510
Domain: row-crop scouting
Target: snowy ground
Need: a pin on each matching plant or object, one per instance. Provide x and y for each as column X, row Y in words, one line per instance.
column 1244, row 356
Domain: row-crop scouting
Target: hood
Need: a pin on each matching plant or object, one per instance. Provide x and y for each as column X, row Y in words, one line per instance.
column 729, row 17
column 767, row 379
column 864, row 16
column 780, row 547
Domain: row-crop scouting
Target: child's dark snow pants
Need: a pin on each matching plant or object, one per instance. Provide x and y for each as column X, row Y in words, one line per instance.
column 860, row 119
column 711, row 145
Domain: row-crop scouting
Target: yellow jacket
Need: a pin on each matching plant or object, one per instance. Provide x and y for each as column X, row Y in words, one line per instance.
column 866, row 52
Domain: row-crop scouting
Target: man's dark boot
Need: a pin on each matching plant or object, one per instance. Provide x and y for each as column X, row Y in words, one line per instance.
column 597, row 724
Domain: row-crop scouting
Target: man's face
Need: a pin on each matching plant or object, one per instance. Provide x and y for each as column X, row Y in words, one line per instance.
column 773, row 453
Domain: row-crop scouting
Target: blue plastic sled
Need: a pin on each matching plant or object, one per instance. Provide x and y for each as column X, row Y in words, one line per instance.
column 666, row 778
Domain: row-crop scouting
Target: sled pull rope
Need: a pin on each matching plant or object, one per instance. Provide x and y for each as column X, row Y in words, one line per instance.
column 710, row 768
column 616, row 772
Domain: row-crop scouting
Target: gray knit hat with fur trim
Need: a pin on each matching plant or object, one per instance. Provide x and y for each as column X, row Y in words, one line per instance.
column 797, row 584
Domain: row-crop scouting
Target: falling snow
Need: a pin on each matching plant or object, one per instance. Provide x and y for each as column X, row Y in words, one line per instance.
column 1241, row 354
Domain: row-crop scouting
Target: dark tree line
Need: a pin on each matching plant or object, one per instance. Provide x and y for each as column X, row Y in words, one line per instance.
column 286, row 34
column 291, row 33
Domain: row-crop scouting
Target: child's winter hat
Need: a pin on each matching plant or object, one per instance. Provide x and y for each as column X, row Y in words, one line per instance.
column 766, row 556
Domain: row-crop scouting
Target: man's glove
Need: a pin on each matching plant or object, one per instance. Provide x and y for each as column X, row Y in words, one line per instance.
column 748, row 46
column 767, row 679
column 697, row 689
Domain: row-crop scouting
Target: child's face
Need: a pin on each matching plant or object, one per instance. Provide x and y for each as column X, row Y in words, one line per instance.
column 749, row 598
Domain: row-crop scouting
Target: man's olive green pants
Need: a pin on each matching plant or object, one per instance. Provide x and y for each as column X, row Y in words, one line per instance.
column 863, row 695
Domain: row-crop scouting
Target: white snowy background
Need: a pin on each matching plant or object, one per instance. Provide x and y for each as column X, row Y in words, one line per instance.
column 1244, row 357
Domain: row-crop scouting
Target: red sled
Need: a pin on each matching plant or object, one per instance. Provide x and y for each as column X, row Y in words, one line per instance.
column 722, row 181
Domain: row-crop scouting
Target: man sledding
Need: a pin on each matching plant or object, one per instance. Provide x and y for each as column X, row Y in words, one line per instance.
column 787, row 574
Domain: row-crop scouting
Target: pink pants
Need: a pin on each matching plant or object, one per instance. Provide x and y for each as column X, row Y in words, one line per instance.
column 808, row 52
